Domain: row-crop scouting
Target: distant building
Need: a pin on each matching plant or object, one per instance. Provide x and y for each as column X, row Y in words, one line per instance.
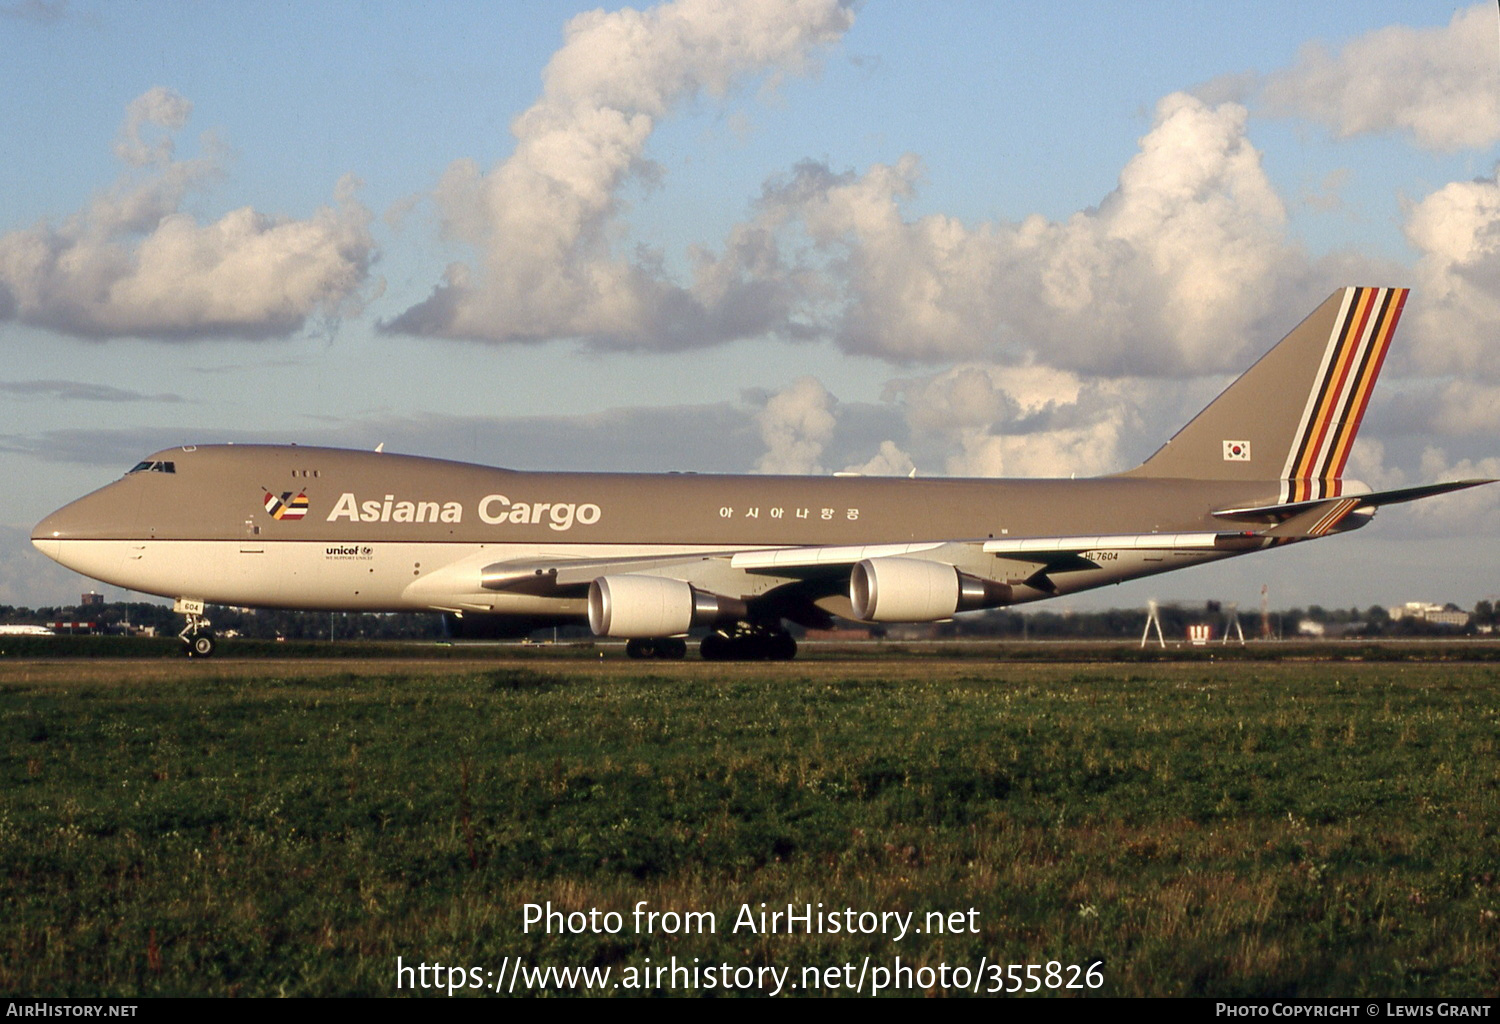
column 1424, row 611
column 90, row 598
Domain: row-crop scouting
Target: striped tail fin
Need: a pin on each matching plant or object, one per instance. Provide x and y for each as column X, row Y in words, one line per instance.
column 1293, row 416
column 1351, row 362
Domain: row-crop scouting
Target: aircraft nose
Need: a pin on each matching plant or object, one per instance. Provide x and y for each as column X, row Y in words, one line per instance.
column 89, row 535
column 47, row 535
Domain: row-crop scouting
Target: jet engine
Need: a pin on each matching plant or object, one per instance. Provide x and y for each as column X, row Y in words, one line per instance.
column 634, row 606
column 915, row 590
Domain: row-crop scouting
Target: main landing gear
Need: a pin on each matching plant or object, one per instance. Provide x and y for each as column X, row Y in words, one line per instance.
column 742, row 643
column 197, row 636
column 749, row 643
column 668, row 648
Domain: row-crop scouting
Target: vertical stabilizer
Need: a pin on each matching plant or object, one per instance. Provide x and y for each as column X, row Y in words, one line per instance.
column 1293, row 415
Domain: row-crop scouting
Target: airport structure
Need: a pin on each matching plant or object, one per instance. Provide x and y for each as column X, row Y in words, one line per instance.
column 1423, row 611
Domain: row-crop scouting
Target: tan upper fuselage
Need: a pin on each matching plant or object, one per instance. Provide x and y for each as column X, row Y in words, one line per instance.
column 320, row 528
column 217, row 493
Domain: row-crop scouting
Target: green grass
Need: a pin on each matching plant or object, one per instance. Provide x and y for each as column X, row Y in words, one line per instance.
column 1205, row 829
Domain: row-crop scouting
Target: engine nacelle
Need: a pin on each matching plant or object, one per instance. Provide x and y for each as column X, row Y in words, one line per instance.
column 915, row 590
column 632, row 607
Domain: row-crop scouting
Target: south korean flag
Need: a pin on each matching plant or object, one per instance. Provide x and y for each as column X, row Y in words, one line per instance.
column 1236, row 451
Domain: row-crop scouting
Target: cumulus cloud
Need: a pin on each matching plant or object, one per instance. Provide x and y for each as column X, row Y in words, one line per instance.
column 133, row 263
column 890, row 460
column 1173, row 273
column 1442, row 85
column 1368, row 464
column 542, row 221
column 1186, row 268
column 1450, row 409
column 1457, row 302
column 1462, row 513
column 795, row 424
column 160, row 108
column 1029, row 421
column 1475, row 511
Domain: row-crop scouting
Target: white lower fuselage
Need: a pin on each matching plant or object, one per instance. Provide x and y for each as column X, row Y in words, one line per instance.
column 394, row 576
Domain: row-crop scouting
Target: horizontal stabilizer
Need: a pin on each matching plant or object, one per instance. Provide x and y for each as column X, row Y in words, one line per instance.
column 1320, row 520
column 1291, row 509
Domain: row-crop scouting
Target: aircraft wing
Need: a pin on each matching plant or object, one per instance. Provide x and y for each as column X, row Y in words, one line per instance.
column 550, row 575
column 534, row 575
column 791, row 581
column 1051, row 554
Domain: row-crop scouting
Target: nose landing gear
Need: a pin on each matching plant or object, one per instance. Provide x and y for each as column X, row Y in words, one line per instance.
column 197, row 636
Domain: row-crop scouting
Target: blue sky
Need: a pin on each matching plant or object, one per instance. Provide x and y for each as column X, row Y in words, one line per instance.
column 806, row 239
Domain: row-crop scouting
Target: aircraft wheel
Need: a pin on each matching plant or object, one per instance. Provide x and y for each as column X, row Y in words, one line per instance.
column 780, row 647
column 640, row 648
column 756, row 646
column 672, row 649
column 200, row 646
column 716, row 647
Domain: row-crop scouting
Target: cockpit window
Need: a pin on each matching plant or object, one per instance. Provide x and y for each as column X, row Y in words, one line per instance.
column 153, row 467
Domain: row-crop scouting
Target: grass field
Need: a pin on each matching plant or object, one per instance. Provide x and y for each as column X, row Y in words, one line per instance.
column 268, row 827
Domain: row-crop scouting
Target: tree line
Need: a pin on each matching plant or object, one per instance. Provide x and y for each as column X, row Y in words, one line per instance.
column 1114, row 623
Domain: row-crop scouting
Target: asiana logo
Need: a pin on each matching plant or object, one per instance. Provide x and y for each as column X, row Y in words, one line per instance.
column 493, row 510
column 286, row 506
